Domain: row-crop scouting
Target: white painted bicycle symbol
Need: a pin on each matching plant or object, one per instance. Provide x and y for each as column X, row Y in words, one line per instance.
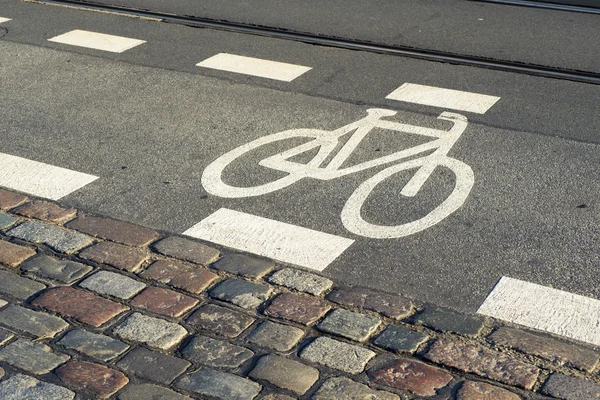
column 327, row 141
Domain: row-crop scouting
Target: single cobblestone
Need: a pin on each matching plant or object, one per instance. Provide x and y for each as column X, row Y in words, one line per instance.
column 349, row 324
column 396, row 307
column 113, row 284
column 347, row 389
column 220, row 320
column 12, row 254
column 472, row 390
column 187, row 277
column 5, row 336
column 154, row 332
column 278, row 396
column 100, row 347
column 187, row 250
column 10, row 199
column 116, row 255
column 60, row 239
column 96, row 379
column 23, row 387
column 116, row 231
column 18, row 287
column 276, row 336
column 487, row 363
column 45, row 211
column 411, row 375
column 152, row 365
column 240, row 264
column 337, row 355
column 546, row 347
column 285, row 373
column 215, row 353
column 301, row 281
column 221, row 385
column 38, row 324
column 7, row 220
column 164, row 302
column 82, row 306
column 241, row 293
column 148, row 391
column 33, row 357
column 445, row 320
column 570, row 388
column 302, row 309
column 398, row 338
column 63, row 271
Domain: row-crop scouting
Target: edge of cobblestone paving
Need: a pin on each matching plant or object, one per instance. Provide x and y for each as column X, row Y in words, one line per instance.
column 398, row 381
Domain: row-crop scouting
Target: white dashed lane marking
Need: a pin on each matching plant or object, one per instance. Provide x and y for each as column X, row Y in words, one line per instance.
column 546, row 309
column 98, row 41
column 254, row 66
column 443, row 98
column 269, row 238
column 4, row 20
column 39, row 179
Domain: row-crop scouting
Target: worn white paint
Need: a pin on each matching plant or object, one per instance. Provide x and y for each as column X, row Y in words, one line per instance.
column 98, row 41
column 4, row 20
column 39, row 179
column 546, row 309
column 254, row 66
column 443, row 98
column 266, row 237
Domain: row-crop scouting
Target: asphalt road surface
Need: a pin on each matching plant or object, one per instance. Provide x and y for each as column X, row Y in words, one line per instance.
column 148, row 121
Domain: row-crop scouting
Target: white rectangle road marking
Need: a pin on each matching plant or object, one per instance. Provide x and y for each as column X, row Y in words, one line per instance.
column 546, row 309
column 98, row 41
column 254, row 66
column 443, row 98
column 266, row 237
column 40, row 179
column 4, row 20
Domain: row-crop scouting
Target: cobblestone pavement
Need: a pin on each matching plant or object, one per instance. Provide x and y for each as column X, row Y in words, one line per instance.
column 96, row 308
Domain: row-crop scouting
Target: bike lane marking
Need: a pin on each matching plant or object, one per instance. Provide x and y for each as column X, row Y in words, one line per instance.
column 269, row 238
column 39, row 179
column 98, row 41
column 543, row 308
column 4, row 20
column 443, row 98
column 254, row 66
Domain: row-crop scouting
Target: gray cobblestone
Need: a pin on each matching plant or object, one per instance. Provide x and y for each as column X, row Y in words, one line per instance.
column 446, row 320
column 344, row 388
column 152, row 365
column 337, row 355
column 60, row 239
column 64, row 271
column 35, row 323
column 276, row 336
column 113, row 284
column 215, row 353
column 18, row 287
column 220, row 320
column 570, row 388
column 392, row 306
column 36, row 358
column 301, row 281
column 154, row 332
column 221, row 385
column 148, row 391
column 5, row 336
column 240, row 264
column 349, row 324
column 285, row 373
column 7, row 220
column 100, row 347
column 23, row 387
column 398, row 338
column 241, row 293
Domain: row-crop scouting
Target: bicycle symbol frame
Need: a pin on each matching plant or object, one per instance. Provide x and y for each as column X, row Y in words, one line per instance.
column 327, row 141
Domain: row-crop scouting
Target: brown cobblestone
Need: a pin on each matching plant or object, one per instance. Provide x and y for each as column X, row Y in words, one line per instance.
column 187, row 277
column 188, row 250
column 293, row 307
column 93, row 378
column 484, row 362
column 83, row 306
column 13, row 254
column 164, row 302
column 10, row 199
column 117, row 231
column 46, row 211
column 471, row 390
column 396, row 307
column 405, row 374
column 123, row 257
